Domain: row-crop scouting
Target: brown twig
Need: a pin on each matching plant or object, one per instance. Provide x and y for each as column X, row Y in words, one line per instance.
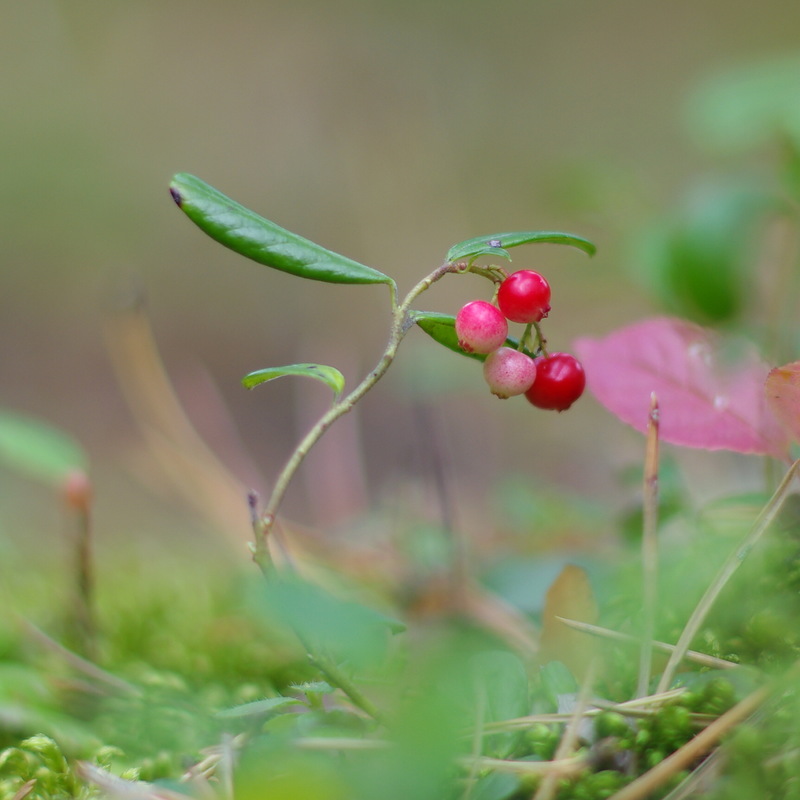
column 649, row 549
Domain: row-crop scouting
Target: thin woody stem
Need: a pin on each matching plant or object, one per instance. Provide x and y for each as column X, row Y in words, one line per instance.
column 401, row 324
column 649, row 548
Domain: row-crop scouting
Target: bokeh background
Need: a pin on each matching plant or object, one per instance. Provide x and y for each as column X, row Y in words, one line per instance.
column 384, row 130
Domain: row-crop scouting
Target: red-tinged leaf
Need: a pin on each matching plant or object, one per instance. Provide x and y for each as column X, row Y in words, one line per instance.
column 782, row 390
column 701, row 404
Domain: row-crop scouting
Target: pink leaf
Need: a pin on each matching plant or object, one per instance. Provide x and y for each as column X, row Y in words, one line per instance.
column 782, row 390
column 700, row 404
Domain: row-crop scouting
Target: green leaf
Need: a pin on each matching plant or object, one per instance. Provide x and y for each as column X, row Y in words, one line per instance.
column 334, row 627
column 249, row 234
column 312, row 687
column 501, row 686
column 497, row 244
column 328, row 375
column 258, row 707
column 748, row 106
column 698, row 262
column 38, row 450
column 442, row 328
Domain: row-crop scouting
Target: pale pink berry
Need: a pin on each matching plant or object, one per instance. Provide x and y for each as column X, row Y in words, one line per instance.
column 509, row 372
column 480, row 327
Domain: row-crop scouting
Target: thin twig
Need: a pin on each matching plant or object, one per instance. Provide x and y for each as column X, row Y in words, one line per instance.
column 401, row 323
column 649, row 549
column 732, row 563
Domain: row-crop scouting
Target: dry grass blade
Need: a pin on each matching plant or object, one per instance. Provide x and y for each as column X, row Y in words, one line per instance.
column 732, row 563
column 25, row 790
column 179, row 451
column 97, row 674
column 561, row 768
column 643, row 786
column 690, row 655
column 119, row 789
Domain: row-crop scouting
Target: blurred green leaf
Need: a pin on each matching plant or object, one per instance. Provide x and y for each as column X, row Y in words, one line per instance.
column 748, row 106
column 495, row 786
column 497, row 244
column 38, row 450
column 501, row 686
column 442, row 328
column 258, row 708
column 558, row 682
column 697, row 264
column 328, row 375
column 337, row 628
column 249, row 234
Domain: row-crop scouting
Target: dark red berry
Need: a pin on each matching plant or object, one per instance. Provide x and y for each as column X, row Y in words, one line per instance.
column 560, row 381
column 480, row 327
column 524, row 296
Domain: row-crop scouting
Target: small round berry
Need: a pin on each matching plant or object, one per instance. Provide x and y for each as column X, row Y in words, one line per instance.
column 509, row 372
column 524, row 296
column 480, row 327
column 560, row 381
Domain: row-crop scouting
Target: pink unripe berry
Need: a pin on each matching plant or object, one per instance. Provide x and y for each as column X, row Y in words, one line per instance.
column 524, row 296
column 509, row 372
column 480, row 327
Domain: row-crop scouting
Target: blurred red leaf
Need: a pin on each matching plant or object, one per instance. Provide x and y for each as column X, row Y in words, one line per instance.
column 782, row 390
column 701, row 404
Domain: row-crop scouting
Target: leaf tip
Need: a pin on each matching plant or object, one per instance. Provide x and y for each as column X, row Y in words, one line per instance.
column 176, row 196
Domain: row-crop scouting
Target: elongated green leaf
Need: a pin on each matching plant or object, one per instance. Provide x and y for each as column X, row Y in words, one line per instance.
column 258, row 707
column 497, row 244
column 328, row 375
column 249, row 234
column 38, row 450
column 442, row 328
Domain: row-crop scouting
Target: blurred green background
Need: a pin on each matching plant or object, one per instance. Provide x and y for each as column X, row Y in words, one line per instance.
column 384, row 130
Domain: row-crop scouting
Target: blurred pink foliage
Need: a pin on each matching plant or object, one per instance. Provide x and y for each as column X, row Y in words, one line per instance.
column 703, row 403
column 782, row 390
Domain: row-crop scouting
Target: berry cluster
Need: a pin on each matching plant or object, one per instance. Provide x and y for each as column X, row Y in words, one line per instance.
column 552, row 381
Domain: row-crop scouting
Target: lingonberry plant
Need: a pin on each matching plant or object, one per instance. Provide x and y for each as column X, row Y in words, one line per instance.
column 479, row 329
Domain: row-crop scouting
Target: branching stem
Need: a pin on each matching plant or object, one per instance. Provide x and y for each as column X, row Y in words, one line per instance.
column 401, row 324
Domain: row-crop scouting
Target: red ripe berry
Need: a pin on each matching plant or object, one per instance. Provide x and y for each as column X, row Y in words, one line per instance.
column 480, row 327
column 560, row 381
column 508, row 372
column 524, row 296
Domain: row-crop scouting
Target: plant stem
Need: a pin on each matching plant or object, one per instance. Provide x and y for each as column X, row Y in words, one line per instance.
column 649, row 548
column 401, row 324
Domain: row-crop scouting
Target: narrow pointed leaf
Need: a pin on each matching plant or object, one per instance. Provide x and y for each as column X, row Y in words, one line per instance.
column 38, row 450
column 782, row 390
column 442, row 328
column 497, row 243
column 328, row 375
column 249, row 234
column 702, row 403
